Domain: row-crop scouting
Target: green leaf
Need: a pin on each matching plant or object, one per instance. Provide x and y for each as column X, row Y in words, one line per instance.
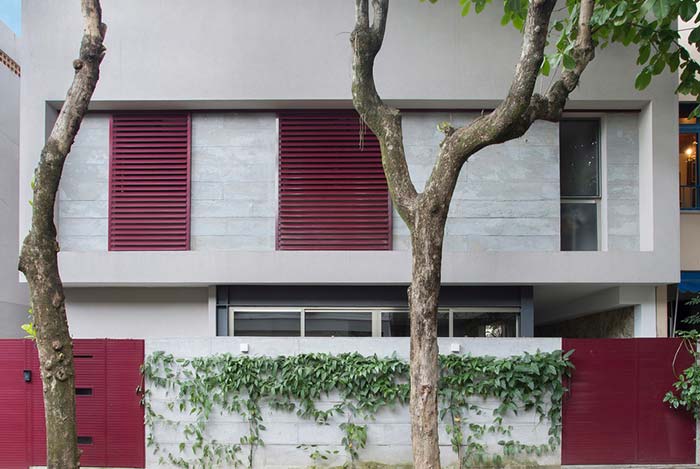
column 465, row 8
column 568, row 62
column 544, row 69
column 694, row 36
column 688, row 9
column 662, row 8
column 643, row 79
column 644, row 52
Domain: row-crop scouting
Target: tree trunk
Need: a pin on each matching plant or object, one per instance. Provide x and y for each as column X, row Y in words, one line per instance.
column 423, row 297
column 55, row 352
column 39, row 261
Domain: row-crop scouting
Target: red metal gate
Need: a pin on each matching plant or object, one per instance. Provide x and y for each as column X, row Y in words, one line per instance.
column 109, row 414
column 614, row 413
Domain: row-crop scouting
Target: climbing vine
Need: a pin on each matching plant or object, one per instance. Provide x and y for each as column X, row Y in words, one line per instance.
column 360, row 385
column 686, row 390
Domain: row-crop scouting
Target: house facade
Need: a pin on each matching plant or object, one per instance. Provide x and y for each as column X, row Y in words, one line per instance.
column 222, row 185
column 14, row 296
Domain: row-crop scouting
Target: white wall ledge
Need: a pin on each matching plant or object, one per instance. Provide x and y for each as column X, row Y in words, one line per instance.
column 192, row 268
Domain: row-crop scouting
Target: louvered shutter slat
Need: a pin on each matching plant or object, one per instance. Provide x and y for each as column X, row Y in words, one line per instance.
column 332, row 190
column 149, row 184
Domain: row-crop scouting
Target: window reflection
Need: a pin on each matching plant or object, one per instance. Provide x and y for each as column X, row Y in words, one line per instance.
column 338, row 324
column 264, row 323
column 397, row 324
column 485, row 324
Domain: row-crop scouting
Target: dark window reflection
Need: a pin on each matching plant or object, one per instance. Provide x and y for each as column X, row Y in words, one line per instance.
column 397, row 324
column 338, row 324
column 270, row 324
column 485, row 324
column 579, row 161
column 579, row 226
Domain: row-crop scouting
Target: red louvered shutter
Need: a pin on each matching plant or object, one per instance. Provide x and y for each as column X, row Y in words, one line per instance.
column 332, row 190
column 149, row 182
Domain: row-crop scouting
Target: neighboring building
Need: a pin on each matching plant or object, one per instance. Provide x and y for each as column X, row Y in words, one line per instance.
column 689, row 196
column 14, row 297
column 222, row 184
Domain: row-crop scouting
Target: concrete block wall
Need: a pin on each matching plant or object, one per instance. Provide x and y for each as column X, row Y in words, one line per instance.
column 84, row 190
column 507, row 196
column 622, row 152
column 234, row 174
column 388, row 438
column 506, row 199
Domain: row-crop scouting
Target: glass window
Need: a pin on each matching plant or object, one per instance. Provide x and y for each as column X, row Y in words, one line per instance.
column 579, row 160
column 579, row 171
column 579, row 226
column 688, row 170
column 338, row 324
column 477, row 324
column 267, row 323
column 397, row 324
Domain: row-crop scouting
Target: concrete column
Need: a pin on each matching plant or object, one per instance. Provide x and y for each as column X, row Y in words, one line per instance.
column 645, row 319
column 662, row 311
column 527, row 312
column 211, row 310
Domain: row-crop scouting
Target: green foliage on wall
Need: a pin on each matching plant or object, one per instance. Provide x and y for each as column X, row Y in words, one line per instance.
column 363, row 385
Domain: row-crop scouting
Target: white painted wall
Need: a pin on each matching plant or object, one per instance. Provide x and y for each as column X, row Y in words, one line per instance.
column 137, row 313
column 690, row 241
column 14, row 297
column 388, row 437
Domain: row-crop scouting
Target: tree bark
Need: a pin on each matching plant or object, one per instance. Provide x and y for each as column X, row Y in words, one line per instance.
column 38, row 258
column 426, row 240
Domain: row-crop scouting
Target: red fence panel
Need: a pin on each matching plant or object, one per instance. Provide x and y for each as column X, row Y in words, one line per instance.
column 615, row 414
column 108, row 410
column 13, row 405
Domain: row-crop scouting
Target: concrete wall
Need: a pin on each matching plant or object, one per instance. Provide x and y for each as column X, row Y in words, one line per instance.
column 137, row 313
column 432, row 59
column 388, row 439
column 83, row 193
column 621, row 179
column 507, row 198
column 14, row 297
column 234, row 174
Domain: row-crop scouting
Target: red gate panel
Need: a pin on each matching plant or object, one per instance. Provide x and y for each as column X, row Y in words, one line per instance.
column 615, row 412
column 108, row 410
column 13, row 405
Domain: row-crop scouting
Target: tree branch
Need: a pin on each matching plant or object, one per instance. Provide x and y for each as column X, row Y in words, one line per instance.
column 384, row 120
column 506, row 120
column 551, row 106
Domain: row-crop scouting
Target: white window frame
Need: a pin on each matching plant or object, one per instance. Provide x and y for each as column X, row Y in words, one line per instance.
column 376, row 315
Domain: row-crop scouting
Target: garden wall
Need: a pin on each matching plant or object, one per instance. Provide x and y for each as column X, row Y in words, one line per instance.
column 388, row 436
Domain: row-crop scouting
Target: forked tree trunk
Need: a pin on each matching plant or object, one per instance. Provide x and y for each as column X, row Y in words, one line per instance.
column 38, row 259
column 425, row 213
column 423, row 297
